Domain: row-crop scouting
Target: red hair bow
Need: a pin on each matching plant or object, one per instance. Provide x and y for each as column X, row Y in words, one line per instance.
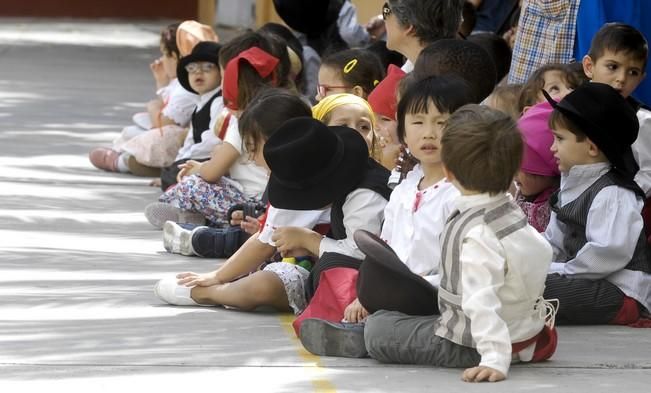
column 261, row 61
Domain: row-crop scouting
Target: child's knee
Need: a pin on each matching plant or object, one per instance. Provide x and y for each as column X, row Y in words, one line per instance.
column 378, row 334
column 266, row 290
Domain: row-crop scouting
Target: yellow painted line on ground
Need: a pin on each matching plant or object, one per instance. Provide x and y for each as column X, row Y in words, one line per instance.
column 320, row 385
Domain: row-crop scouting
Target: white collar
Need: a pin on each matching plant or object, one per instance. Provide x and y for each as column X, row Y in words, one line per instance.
column 207, row 96
column 578, row 179
column 465, row 202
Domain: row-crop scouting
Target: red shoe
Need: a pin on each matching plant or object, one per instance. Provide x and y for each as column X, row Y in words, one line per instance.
column 104, row 158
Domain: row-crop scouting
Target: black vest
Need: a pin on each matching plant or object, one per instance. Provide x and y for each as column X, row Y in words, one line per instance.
column 201, row 118
column 574, row 216
column 375, row 179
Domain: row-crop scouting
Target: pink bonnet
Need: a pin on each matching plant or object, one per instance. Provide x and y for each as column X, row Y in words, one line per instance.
column 538, row 138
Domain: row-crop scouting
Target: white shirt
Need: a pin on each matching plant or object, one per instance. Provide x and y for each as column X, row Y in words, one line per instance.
column 642, row 151
column 407, row 67
column 363, row 209
column 612, row 229
column 252, row 177
column 414, row 220
column 498, row 278
column 277, row 218
column 180, row 103
column 209, row 140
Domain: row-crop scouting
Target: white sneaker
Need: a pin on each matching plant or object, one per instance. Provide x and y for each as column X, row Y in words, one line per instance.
column 177, row 239
column 170, row 292
column 158, row 212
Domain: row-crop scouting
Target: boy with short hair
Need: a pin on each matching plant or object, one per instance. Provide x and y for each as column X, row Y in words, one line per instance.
column 618, row 57
column 602, row 271
column 493, row 265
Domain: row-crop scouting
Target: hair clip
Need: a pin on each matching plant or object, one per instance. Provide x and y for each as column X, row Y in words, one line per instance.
column 350, row 65
column 376, row 82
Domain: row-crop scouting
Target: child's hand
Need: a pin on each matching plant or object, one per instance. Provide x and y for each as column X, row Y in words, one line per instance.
column 482, row 374
column 158, row 71
column 290, row 240
column 191, row 279
column 406, row 161
column 390, row 154
column 188, row 168
column 355, row 312
column 248, row 224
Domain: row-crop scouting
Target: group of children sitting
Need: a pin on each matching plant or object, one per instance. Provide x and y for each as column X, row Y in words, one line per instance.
column 523, row 208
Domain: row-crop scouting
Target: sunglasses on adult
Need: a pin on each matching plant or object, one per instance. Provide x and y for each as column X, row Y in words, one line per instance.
column 386, row 11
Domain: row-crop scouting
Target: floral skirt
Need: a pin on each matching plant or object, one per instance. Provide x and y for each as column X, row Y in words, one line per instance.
column 294, row 278
column 213, row 200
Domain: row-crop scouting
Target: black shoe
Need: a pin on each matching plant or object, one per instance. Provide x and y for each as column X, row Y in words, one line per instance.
column 325, row 338
column 217, row 242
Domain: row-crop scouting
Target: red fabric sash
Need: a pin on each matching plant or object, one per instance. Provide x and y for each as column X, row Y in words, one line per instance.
column 261, row 61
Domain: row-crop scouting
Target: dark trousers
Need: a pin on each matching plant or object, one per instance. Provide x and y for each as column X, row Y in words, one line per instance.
column 381, row 288
column 583, row 302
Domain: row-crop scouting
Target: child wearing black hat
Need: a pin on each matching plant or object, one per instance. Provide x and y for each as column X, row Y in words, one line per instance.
column 198, row 72
column 312, row 167
column 602, row 271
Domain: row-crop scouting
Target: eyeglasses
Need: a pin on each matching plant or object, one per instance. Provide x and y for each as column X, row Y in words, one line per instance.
column 202, row 66
column 386, row 11
column 323, row 89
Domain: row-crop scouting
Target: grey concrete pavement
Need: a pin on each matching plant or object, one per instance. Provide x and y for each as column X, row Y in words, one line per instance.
column 78, row 259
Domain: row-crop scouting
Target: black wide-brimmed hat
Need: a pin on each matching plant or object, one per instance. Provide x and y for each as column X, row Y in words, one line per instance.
column 605, row 117
column 386, row 283
column 312, row 165
column 207, row 51
column 311, row 17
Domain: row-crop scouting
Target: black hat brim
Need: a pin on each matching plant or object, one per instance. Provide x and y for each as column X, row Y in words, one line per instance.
column 382, row 270
column 342, row 180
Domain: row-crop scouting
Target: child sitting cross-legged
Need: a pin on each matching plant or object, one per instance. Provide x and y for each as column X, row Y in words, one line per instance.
column 313, row 167
column 493, row 265
column 413, row 222
column 602, row 272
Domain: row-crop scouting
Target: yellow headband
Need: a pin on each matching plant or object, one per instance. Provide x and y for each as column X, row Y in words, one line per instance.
column 327, row 104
